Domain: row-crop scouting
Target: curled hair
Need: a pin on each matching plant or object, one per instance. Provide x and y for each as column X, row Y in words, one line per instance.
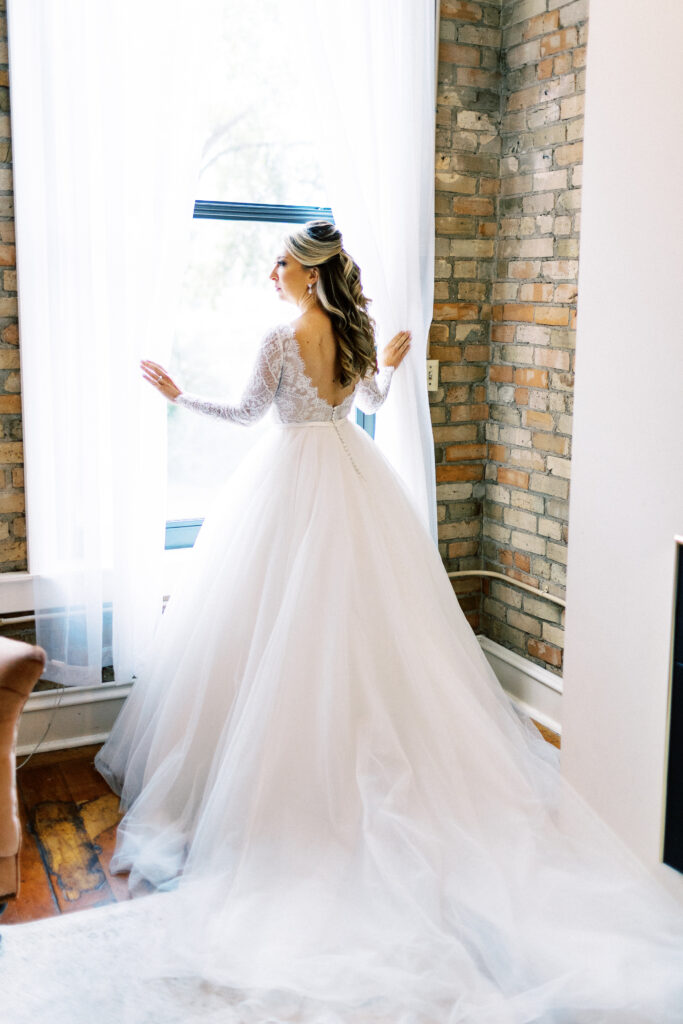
column 319, row 244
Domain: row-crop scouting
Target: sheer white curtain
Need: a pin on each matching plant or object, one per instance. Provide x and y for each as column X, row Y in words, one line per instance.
column 105, row 160
column 372, row 81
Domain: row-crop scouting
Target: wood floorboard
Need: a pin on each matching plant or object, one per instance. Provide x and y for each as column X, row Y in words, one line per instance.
column 69, row 819
column 69, row 833
column 548, row 734
column 36, row 898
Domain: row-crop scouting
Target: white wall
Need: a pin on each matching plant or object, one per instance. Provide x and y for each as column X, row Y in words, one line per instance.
column 626, row 499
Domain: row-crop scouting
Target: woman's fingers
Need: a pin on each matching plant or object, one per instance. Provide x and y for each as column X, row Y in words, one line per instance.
column 401, row 345
column 155, row 375
column 148, row 365
column 396, row 349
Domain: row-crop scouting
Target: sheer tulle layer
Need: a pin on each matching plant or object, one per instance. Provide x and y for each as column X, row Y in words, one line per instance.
column 367, row 828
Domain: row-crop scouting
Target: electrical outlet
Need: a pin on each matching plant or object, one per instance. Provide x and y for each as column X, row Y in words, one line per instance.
column 432, row 375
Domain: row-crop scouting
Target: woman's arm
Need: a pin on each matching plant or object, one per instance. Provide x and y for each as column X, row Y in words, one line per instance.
column 373, row 390
column 258, row 393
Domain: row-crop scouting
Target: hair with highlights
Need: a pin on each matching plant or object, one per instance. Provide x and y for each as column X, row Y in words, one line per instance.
column 338, row 290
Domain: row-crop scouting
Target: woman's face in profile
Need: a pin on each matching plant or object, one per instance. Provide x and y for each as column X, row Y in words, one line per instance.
column 291, row 278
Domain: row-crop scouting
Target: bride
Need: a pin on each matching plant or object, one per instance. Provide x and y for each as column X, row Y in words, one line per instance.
column 357, row 822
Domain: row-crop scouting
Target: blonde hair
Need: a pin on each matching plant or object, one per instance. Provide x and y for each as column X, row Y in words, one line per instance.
column 338, row 289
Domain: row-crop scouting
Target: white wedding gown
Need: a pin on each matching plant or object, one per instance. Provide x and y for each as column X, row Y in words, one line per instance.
column 354, row 821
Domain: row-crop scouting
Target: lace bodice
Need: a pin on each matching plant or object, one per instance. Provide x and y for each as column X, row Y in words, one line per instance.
column 279, row 379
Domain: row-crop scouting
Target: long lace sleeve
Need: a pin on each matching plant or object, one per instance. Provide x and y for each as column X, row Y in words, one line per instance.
column 258, row 393
column 372, row 391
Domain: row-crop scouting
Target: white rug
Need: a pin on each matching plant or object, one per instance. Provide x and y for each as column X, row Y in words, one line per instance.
column 90, row 967
column 98, row 967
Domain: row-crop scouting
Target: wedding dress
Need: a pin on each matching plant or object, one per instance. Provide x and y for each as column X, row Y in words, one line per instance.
column 350, row 818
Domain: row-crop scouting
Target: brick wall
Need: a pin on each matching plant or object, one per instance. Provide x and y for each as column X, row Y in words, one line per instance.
column 521, row 321
column 508, row 166
column 534, row 318
column 12, row 518
column 468, row 146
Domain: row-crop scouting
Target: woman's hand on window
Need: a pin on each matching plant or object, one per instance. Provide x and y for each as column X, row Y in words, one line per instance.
column 159, row 379
column 396, row 349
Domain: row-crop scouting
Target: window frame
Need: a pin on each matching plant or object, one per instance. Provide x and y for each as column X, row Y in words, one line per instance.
column 182, row 533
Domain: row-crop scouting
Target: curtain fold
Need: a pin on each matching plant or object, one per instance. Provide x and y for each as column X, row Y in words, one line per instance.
column 374, row 68
column 106, row 153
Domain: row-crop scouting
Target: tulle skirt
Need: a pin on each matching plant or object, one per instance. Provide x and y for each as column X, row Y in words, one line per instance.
column 355, row 821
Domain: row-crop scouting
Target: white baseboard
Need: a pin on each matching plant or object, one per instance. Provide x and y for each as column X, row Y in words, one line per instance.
column 69, row 718
column 536, row 690
column 85, row 714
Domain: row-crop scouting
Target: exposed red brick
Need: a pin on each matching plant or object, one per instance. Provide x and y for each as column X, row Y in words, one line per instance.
column 523, row 269
column 556, row 359
column 522, row 561
column 536, row 293
column 516, row 311
column 564, row 40
column 462, row 372
column 551, row 655
column 504, row 333
column 438, row 332
column 540, row 420
column 489, row 186
column 562, row 64
column 554, row 316
column 464, row 452
column 544, row 69
column 465, row 413
column 455, row 311
column 523, row 98
column 461, row 10
column 474, row 205
column 10, row 403
column 566, row 293
column 460, row 226
column 550, row 443
column 446, row 353
column 461, row 548
column 474, row 620
column 478, row 78
column 472, row 291
column 451, row 53
column 513, row 477
column 531, row 378
column 458, row 472
column 541, row 24
column 467, row 585
column 501, row 374
column 477, row 353
column 571, row 154
column 579, row 56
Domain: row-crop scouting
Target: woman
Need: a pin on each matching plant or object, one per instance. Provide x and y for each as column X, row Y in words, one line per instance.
column 363, row 826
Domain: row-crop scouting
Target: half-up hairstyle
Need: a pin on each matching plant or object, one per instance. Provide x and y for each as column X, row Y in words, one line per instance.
column 338, row 288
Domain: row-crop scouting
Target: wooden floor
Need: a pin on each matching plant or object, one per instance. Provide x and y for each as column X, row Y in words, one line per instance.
column 69, row 818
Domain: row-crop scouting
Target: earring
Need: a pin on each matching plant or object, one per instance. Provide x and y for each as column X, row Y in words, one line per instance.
column 310, row 289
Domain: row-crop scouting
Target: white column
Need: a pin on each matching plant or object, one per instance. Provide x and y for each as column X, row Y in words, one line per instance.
column 626, row 500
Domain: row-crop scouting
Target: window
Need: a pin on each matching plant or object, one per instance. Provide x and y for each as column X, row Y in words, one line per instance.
column 259, row 173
